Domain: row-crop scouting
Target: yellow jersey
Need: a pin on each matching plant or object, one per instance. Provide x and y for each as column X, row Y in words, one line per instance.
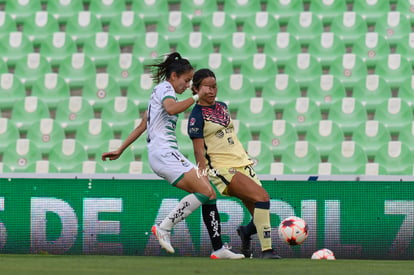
column 214, row 124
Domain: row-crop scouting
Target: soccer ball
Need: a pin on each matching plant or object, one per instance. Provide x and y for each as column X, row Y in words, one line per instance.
column 293, row 230
column 323, row 254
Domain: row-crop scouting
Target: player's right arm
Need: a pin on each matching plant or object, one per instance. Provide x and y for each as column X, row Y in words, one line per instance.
column 134, row 135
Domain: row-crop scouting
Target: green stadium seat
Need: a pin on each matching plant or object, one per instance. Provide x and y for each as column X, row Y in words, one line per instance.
column 93, row 134
column 150, row 10
column 126, row 27
column 395, row 70
column 150, row 47
column 396, row 158
column 255, row 113
column 406, row 91
column 348, row 158
column 372, row 48
column 372, row 11
column 235, row 90
column 284, row 10
column 11, row 90
column 174, row 27
column 220, row 65
column 279, row 168
column 139, row 90
column 102, row 48
column 125, row 69
column 406, row 47
column 278, row 135
column 120, row 112
column 106, row 10
column 406, row 9
column 242, row 132
column 260, row 69
column 325, row 135
column 218, row 26
column 39, row 25
column 328, row 10
column 304, row 69
column 405, row 135
column 326, row 90
column 52, row 89
column 195, row 46
column 395, row 114
column 20, row 10
column 66, row 155
column 371, row 91
column 326, row 47
column 301, row 157
column 21, row 156
column 32, row 67
column 326, row 168
column 394, row 28
column 45, row 133
column 238, row 48
column 100, row 90
column 14, row 46
column 121, row 165
column 27, row 111
column 45, row 167
column 83, row 26
column 348, row 113
column 349, row 26
column 371, row 135
column 63, row 10
column 196, row 10
column 261, row 155
column 305, row 27
column 262, row 28
column 72, row 112
column 280, row 91
column 7, row 23
column 8, row 133
column 56, row 47
column 90, row 167
column 374, row 169
column 302, row 113
column 349, row 69
column 77, row 69
column 241, row 10
column 283, row 48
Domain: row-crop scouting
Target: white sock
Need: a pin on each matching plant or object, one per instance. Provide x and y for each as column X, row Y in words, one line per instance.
column 185, row 207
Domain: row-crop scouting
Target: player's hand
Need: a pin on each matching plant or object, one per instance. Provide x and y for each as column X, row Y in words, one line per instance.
column 111, row 155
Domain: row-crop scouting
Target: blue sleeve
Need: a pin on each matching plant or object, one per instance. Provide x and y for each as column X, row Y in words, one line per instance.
column 195, row 126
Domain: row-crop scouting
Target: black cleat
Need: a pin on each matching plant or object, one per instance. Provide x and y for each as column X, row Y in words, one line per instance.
column 270, row 254
column 245, row 240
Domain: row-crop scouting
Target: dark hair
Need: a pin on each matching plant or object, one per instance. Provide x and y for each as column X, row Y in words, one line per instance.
column 173, row 63
column 198, row 77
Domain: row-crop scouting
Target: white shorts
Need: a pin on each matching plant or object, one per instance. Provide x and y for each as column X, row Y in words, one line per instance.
column 169, row 165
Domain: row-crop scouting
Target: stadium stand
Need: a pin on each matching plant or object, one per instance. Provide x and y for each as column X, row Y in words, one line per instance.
column 331, row 78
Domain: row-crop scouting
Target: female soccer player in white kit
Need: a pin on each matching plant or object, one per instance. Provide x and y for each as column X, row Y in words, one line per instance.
column 173, row 76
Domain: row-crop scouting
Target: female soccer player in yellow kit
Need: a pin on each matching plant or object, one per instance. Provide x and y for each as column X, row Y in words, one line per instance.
column 220, row 154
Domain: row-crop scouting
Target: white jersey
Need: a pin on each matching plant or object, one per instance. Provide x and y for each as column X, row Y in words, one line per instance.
column 161, row 125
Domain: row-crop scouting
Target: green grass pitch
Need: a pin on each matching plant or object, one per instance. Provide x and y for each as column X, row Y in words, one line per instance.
column 53, row 264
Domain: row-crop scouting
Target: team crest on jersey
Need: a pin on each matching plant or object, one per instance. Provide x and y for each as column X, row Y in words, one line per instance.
column 218, row 114
column 192, row 121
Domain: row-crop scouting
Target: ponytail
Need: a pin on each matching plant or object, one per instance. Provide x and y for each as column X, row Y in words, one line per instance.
column 173, row 63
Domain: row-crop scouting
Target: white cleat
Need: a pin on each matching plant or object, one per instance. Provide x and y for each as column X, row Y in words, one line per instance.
column 226, row 253
column 163, row 237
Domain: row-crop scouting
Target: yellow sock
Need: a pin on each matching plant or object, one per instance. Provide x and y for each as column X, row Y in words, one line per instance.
column 261, row 219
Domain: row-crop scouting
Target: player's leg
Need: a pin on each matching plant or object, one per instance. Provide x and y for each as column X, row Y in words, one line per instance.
column 249, row 190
